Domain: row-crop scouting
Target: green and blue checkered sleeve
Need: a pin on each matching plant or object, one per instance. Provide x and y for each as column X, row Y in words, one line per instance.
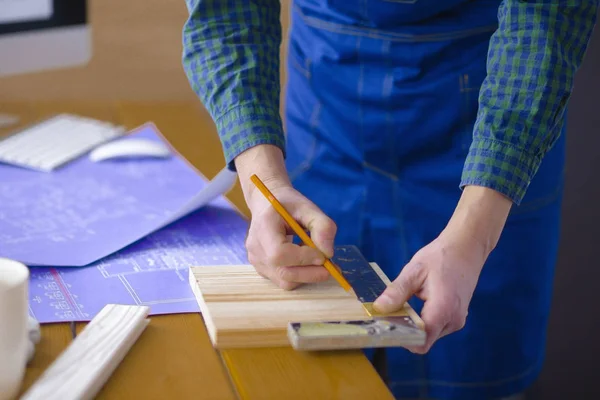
column 532, row 59
column 231, row 59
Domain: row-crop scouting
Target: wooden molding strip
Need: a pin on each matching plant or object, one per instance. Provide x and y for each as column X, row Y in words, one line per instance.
column 85, row 366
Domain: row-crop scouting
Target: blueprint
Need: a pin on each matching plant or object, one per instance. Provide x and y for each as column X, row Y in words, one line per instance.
column 152, row 271
column 85, row 211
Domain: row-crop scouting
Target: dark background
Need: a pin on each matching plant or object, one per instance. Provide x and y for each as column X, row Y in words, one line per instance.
column 572, row 368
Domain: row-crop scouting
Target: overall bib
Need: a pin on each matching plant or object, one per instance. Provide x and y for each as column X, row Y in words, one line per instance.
column 380, row 106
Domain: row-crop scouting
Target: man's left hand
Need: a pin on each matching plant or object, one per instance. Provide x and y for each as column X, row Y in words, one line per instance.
column 444, row 273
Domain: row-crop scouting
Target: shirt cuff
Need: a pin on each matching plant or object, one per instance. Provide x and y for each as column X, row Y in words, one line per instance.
column 500, row 166
column 246, row 126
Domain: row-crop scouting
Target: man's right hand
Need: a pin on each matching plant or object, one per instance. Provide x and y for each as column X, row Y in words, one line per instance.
column 269, row 245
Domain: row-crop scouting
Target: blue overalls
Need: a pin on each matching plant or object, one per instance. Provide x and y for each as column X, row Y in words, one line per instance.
column 380, row 106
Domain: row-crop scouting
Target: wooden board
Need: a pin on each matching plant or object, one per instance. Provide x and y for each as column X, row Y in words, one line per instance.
column 243, row 309
column 89, row 361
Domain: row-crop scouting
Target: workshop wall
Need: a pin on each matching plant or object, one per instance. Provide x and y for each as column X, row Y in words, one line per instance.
column 136, row 56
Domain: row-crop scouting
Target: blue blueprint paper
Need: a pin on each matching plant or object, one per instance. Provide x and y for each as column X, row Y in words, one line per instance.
column 152, row 271
column 85, row 211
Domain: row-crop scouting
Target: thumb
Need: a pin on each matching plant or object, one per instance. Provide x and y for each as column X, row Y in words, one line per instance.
column 322, row 228
column 400, row 290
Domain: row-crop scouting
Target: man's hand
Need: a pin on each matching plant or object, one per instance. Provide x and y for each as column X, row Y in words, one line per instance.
column 269, row 245
column 445, row 272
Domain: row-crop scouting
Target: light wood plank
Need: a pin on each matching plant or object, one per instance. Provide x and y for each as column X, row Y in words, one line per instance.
column 89, row 361
column 242, row 309
column 239, row 283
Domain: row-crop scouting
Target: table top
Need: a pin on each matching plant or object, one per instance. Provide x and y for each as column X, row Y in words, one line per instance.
column 174, row 358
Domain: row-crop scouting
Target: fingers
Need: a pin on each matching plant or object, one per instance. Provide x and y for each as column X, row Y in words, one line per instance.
column 287, row 276
column 443, row 312
column 442, row 315
column 322, row 228
column 409, row 282
column 287, row 254
column 289, row 265
column 301, row 274
column 275, row 257
column 278, row 249
column 436, row 317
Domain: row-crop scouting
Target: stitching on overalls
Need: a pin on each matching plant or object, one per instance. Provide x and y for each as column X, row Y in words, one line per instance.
column 293, row 60
column 393, row 36
column 307, row 163
column 296, row 65
column 401, row 1
column 365, row 8
column 465, row 90
column 365, row 192
column 386, row 91
column 311, row 152
column 380, row 171
column 465, row 87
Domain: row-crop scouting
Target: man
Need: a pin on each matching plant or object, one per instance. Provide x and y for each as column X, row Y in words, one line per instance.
column 413, row 126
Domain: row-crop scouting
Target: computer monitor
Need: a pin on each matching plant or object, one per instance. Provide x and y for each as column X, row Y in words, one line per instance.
column 39, row 35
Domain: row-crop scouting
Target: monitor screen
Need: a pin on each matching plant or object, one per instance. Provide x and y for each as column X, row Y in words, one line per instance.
column 38, row 35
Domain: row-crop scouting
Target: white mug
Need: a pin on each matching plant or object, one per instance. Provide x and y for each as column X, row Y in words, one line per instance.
column 14, row 341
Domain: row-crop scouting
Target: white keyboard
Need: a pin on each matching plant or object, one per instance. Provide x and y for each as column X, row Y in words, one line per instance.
column 7, row 119
column 56, row 141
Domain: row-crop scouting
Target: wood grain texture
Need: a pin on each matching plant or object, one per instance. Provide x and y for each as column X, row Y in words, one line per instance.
column 89, row 361
column 282, row 373
column 242, row 309
column 174, row 357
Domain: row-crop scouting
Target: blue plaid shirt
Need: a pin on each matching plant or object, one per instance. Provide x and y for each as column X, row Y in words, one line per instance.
column 231, row 58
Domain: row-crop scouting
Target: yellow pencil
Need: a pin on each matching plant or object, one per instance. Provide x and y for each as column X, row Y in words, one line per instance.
column 333, row 270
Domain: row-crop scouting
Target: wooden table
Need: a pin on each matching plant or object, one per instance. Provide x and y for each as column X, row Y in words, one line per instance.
column 174, row 357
